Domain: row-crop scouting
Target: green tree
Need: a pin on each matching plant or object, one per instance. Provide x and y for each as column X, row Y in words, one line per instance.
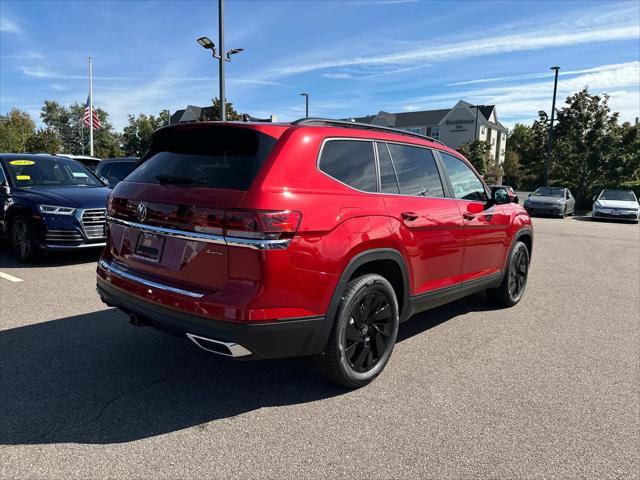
column 511, row 168
column 136, row 137
column 230, row 111
column 68, row 124
column 15, row 129
column 587, row 141
column 477, row 152
column 45, row 140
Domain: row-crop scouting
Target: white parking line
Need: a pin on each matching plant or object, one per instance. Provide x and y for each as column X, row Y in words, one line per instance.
column 11, row 278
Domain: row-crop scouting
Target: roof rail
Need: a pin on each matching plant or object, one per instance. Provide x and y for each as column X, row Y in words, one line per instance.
column 361, row 126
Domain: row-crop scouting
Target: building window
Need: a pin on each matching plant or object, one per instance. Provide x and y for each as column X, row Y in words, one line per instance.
column 433, row 132
column 417, row 130
column 482, row 130
column 493, row 141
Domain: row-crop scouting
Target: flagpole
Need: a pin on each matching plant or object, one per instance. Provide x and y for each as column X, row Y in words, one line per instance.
column 90, row 107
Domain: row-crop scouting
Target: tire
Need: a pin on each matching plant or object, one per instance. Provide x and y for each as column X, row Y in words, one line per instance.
column 360, row 346
column 564, row 212
column 22, row 240
column 511, row 289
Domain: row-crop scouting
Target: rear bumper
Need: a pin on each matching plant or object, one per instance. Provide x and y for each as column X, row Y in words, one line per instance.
column 278, row 339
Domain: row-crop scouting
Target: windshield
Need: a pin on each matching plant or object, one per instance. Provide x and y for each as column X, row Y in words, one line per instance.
column 549, row 192
column 624, row 195
column 50, row 171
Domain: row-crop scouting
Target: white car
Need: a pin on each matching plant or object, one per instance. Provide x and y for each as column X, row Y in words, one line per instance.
column 617, row 205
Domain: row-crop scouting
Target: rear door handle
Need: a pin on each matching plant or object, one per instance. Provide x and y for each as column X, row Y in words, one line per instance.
column 468, row 216
column 410, row 216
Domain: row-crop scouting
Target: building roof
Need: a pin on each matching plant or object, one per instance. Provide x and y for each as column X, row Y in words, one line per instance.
column 407, row 119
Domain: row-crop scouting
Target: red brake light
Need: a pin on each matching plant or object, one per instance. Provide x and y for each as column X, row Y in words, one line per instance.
column 261, row 224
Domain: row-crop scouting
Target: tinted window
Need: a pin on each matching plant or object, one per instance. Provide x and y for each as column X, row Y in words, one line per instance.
column 466, row 185
column 119, row 170
column 2, row 177
column 388, row 181
column 351, row 162
column 103, row 170
column 416, row 170
column 215, row 157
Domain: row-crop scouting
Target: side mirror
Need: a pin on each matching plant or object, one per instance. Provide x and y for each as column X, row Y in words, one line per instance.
column 105, row 181
column 594, row 198
column 529, row 195
column 500, row 196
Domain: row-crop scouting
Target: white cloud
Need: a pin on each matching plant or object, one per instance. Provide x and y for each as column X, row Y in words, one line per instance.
column 535, row 39
column 522, row 102
column 9, row 26
column 532, row 76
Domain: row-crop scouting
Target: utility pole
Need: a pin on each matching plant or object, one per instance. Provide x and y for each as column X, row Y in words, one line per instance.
column 477, row 108
column 306, row 104
column 223, row 103
column 550, row 138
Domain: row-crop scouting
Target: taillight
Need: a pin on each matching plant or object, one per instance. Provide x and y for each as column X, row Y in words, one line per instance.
column 263, row 225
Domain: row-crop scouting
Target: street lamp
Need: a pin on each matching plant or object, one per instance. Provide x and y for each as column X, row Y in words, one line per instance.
column 477, row 108
column 206, row 43
column 550, row 137
column 306, row 104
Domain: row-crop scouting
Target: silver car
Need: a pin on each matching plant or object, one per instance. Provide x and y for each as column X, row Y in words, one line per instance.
column 557, row 201
column 617, row 205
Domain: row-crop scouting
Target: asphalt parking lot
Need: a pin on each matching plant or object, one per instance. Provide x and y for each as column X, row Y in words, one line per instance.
column 549, row 388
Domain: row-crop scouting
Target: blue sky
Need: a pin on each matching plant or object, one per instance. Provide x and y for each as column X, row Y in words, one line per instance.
column 354, row 57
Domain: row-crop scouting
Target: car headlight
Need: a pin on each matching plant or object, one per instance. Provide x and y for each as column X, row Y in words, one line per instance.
column 55, row 210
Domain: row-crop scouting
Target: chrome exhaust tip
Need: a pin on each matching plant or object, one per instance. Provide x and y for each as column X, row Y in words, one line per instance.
column 226, row 349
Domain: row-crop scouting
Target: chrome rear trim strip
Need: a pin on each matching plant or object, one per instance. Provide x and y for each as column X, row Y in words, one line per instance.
column 254, row 243
column 170, row 232
column 118, row 272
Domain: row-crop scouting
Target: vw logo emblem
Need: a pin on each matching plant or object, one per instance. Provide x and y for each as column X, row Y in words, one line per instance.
column 142, row 212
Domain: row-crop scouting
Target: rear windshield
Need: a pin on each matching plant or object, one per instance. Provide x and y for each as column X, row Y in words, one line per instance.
column 214, row 157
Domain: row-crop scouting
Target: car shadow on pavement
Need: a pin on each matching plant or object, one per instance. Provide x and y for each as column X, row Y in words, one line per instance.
column 96, row 379
column 49, row 259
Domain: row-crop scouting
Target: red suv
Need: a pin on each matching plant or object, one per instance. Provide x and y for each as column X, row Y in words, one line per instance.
column 313, row 238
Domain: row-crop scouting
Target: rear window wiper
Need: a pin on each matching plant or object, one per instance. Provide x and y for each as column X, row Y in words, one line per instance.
column 177, row 180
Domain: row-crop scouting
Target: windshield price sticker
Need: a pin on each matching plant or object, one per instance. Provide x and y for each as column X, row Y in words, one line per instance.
column 22, row 162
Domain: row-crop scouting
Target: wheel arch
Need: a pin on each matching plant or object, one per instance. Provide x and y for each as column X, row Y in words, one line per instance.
column 524, row 235
column 387, row 262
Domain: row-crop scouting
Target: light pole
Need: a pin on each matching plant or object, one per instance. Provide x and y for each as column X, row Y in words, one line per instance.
column 205, row 42
column 550, row 139
column 306, row 104
column 477, row 108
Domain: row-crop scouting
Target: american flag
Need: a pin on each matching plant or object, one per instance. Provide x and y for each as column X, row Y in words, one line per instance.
column 96, row 119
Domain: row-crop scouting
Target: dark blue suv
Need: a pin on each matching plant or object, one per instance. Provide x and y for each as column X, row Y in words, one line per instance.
column 50, row 203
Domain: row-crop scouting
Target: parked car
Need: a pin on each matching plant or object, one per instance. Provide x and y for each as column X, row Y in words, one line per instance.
column 90, row 162
column 314, row 238
column 617, row 205
column 114, row 170
column 557, row 201
column 50, row 203
column 510, row 190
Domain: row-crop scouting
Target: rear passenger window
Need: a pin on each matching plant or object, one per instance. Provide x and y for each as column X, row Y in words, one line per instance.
column 466, row 185
column 388, row 180
column 416, row 170
column 351, row 162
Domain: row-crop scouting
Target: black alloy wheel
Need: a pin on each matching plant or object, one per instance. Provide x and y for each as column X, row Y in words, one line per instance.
column 368, row 330
column 364, row 332
column 514, row 281
column 22, row 242
column 518, row 274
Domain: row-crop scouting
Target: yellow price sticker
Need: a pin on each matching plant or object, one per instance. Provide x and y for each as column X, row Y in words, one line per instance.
column 23, row 177
column 22, row 162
